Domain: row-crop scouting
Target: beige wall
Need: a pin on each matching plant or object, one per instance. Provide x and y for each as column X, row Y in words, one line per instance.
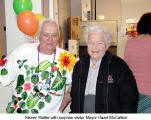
column 64, row 13
column 119, row 10
column 76, row 8
column 110, row 8
column 130, row 9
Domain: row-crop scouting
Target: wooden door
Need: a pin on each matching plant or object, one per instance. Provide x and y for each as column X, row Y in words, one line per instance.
column 3, row 49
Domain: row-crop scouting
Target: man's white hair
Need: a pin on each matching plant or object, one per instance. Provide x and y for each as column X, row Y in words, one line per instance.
column 47, row 20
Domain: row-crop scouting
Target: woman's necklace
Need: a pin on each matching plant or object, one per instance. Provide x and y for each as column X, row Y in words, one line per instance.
column 94, row 64
column 52, row 64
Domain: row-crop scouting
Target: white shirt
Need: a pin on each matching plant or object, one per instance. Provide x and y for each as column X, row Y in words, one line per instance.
column 23, row 61
column 92, row 78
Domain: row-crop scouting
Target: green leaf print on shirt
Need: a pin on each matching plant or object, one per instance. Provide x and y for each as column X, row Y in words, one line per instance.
column 41, row 105
column 26, row 66
column 24, row 95
column 27, row 70
column 21, row 63
column 10, row 109
column 64, row 72
column 20, row 80
column 15, row 100
column 34, row 79
column 26, row 111
column 19, row 90
column 41, row 95
column 32, row 68
column 31, row 101
column 34, row 101
column 22, row 105
column 45, row 75
column 4, row 71
column 43, row 66
column 34, row 111
column 47, row 81
column 48, row 98
column 35, row 88
column 59, row 82
column 27, row 78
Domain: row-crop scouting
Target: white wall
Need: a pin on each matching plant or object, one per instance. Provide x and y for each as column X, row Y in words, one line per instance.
column 14, row 38
column 51, row 9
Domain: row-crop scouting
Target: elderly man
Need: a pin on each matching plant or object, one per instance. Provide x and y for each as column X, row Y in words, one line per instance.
column 102, row 82
column 40, row 72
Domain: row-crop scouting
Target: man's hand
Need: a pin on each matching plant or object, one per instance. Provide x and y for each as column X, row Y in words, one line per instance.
column 66, row 100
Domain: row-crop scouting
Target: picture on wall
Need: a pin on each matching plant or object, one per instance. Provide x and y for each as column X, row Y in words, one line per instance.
column 131, row 30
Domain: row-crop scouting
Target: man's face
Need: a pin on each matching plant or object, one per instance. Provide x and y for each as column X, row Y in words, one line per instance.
column 48, row 38
column 96, row 45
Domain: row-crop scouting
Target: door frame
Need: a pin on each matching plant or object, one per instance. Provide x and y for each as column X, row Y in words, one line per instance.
column 3, row 46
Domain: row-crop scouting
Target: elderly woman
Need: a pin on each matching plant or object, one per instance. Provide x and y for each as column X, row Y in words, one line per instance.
column 102, row 82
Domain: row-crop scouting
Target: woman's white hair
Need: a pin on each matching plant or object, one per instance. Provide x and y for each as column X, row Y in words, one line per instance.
column 97, row 28
column 47, row 20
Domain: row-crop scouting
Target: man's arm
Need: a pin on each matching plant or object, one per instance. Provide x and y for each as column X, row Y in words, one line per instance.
column 66, row 100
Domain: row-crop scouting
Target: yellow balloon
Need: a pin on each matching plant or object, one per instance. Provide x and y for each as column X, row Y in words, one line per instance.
column 40, row 17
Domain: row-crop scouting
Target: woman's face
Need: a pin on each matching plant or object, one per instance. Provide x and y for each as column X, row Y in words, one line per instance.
column 96, row 45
